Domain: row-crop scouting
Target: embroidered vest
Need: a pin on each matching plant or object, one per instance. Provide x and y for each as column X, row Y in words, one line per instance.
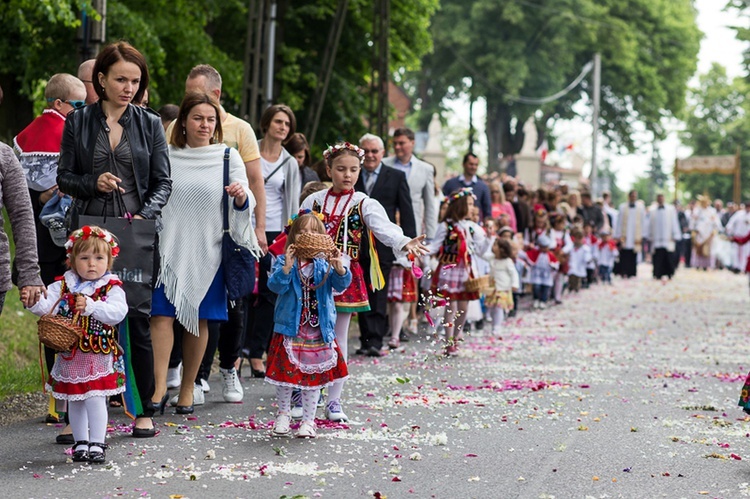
column 98, row 337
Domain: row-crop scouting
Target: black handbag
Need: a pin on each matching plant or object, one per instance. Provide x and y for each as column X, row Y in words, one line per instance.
column 238, row 261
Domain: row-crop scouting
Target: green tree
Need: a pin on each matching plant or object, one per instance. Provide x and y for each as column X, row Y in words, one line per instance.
column 717, row 124
column 501, row 49
column 175, row 35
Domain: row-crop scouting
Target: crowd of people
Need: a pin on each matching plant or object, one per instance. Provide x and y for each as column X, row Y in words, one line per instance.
column 403, row 250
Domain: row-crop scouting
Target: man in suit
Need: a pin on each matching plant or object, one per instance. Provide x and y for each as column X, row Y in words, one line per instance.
column 421, row 179
column 390, row 188
column 469, row 179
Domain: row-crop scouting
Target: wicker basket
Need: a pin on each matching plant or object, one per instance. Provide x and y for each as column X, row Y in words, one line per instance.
column 58, row 332
column 311, row 245
column 477, row 284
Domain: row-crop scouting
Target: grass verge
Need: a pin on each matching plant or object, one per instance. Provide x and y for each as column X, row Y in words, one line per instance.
column 19, row 347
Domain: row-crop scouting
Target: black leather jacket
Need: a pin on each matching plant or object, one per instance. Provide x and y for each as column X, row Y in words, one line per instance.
column 149, row 149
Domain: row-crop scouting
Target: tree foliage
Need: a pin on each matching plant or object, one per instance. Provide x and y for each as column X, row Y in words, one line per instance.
column 718, row 123
column 501, row 49
column 175, row 35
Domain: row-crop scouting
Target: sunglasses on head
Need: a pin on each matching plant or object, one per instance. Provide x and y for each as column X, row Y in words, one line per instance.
column 77, row 104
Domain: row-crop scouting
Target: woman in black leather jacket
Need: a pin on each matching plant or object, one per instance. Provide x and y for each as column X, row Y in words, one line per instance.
column 114, row 144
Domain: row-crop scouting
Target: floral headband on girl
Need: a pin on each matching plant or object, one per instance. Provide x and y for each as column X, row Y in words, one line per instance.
column 341, row 146
column 88, row 231
column 289, row 222
column 461, row 193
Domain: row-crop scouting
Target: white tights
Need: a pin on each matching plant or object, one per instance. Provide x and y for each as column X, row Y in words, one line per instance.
column 342, row 338
column 88, row 419
column 454, row 318
column 309, row 402
column 497, row 314
column 397, row 313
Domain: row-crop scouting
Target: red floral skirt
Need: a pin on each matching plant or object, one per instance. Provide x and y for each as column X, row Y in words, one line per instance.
column 282, row 371
column 354, row 298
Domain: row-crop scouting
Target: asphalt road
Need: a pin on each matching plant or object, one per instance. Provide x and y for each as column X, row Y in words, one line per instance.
column 623, row 391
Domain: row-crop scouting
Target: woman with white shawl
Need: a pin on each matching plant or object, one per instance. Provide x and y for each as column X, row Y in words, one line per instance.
column 191, row 285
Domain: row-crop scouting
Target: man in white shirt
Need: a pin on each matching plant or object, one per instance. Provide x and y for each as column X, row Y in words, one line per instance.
column 663, row 232
column 421, row 178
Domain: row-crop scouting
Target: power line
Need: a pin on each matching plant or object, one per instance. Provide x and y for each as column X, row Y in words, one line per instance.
column 543, row 100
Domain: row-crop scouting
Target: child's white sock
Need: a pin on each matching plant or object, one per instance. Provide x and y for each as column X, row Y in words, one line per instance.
column 284, row 399
column 498, row 315
column 309, row 404
column 96, row 408
column 79, row 420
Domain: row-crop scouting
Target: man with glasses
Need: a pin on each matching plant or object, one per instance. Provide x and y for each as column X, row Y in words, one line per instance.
column 85, row 74
column 38, row 150
column 390, row 188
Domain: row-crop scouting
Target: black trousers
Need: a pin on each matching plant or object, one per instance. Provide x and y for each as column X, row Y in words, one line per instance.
column 227, row 337
column 373, row 325
column 663, row 263
column 142, row 360
column 259, row 324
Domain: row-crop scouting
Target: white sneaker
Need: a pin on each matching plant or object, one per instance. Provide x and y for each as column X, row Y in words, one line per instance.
column 297, row 410
column 198, row 397
column 535, row 305
column 205, row 386
column 174, row 376
column 542, row 305
column 281, row 426
column 231, row 388
column 334, row 412
column 306, row 430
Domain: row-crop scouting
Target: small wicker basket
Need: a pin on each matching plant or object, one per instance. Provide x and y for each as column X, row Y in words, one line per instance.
column 477, row 284
column 311, row 245
column 59, row 333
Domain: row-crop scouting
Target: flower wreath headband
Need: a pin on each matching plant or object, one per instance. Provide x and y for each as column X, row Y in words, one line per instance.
column 340, row 147
column 289, row 222
column 461, row 193
column 88, row 231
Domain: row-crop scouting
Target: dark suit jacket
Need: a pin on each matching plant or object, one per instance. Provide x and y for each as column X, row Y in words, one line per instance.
column 391, row 190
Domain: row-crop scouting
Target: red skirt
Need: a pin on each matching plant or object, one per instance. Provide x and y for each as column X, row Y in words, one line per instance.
column 282, row 372
column 402, row 286
column 354, row 298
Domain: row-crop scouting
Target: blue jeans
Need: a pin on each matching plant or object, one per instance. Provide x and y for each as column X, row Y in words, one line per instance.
column 605, row 273
column 541, row 292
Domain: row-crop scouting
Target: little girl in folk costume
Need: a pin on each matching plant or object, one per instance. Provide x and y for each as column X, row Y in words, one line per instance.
column 457, row 240
column 346, row 214
column 504, row 280
column 94, row 369
column 542, row 267
column 402, row 288
column 303, row 352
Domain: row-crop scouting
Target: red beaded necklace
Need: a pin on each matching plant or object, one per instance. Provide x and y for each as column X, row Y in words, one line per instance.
column 332, row 220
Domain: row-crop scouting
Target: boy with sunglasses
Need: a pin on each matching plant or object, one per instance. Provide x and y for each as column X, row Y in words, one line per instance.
column 38, row 150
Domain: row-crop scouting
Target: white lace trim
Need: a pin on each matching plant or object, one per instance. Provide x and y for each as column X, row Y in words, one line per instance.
column 292, row 385
column 310, row 369
column 84, row 396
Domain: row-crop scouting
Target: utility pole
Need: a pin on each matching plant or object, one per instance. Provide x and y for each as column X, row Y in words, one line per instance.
column 594, row 175
column 92, row 32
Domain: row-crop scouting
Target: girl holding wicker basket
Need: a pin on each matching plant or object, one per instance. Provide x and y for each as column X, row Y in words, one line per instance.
column 303, row 352
column 457, row 241
column 346, row 215
column 93, row 369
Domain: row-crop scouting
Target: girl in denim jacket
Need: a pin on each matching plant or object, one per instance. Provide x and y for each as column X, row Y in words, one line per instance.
column 303, row 352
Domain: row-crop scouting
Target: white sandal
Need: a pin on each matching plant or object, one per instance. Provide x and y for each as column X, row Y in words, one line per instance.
column 281, row 426
column 306, row 430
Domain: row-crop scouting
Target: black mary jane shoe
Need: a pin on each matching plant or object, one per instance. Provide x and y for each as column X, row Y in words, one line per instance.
column 95, row 456
column 82, row 455
column 184, row 409
column 257, row 373
column 65, row 439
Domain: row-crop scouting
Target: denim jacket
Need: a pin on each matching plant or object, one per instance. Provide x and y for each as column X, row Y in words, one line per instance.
column 288, row 308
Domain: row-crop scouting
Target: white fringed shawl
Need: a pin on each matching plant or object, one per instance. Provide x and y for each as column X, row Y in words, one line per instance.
column 190, row 243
